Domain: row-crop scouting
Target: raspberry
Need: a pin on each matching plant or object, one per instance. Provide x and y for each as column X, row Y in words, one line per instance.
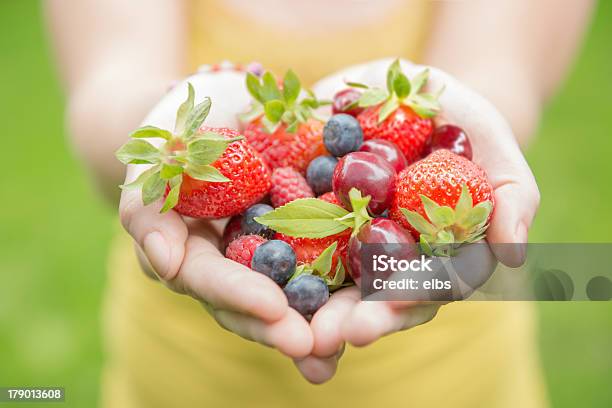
column 242, row 248
column 288, row 185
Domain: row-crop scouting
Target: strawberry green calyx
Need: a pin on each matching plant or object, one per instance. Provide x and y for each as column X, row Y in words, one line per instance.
column 277, row 106
column 322, row 266
column 314, row 218
column 184, row 151
column 401, row 91
column 448, row 228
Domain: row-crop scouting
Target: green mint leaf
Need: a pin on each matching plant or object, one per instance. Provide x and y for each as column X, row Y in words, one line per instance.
column 291, row 87
column 322, row 265
column 168, row 171
column 206, row 173
column 183, row 111
column 153, row 188
column 139, row 181
column 401, row 86
column 392, row 72
column 274, row 110
column 372, row 96
column 146, row 132
column 173, row 195
column 418, row 222
column 387, row 109
column 196, row 117
column 269, row 90
column 356, row 85
column 254, row 87
column 137, row 151
column 305, row 217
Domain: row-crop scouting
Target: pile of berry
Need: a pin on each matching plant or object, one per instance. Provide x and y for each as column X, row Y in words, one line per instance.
column 305, row 194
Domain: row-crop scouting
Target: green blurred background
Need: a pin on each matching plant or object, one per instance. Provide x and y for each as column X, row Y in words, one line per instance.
column 55, row 231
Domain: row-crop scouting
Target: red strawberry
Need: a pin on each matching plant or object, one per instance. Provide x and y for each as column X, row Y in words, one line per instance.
column 203, row 172
column 444, row 198
column 402, row 114
column 288, row 185
column 281, row 128
column 308, row 249
column 241, row 249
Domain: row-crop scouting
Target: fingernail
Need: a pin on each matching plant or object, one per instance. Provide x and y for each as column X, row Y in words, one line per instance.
column 156, row 249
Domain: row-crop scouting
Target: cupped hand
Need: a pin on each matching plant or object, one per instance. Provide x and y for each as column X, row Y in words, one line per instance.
column 346, row 317
column 184, row 253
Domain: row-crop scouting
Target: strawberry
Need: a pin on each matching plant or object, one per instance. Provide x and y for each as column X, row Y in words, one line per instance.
column 288, row 185
column 241, row 249
column 308, row 249
column 443, row 199
column 203, row 172
column 401, row 114
column 282, row 129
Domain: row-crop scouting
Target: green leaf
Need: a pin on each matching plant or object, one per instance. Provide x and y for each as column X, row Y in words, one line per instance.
column 173, row 195
column 254, row 87
column 356, row 85
column 425, row 247
column 339, row 277
column 274, row 110
column 196, row 117
column 401, row 86
column 252, row 114
column 269, row 90
column 359, row 205
column 392, row 72
column 387, row 109
column 292, row 128
column 206, row 173
column 371, row 97
column 419, row 80
column 478, row 215
column 429, row 206
column 305, row 217
column 425, row 105
column 183, row 111
column 301, row 269
column 442, row 217
column 323, row 263
column 139, row 181
column 150, row 132
column 204, row 151
column 464, row 204
column 153, row 188
column 418, row 222
column 137, row 151
column 291, row 87
column 269, row 126
column 169, row 171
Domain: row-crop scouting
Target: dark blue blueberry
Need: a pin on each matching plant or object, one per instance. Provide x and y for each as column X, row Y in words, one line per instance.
column 342, row 134
column 250, row 226
column 275, row 259
column 319, row 174
column 306, row 294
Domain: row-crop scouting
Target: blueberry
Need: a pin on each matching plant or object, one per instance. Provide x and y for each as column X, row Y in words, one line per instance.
column 342, row 134
column 275, row 259
column 250, row 226
column 306, row 294
column 319, row 174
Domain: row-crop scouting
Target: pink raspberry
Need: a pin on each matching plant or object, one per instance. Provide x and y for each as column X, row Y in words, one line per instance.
column 288, row 185
column 242, row 248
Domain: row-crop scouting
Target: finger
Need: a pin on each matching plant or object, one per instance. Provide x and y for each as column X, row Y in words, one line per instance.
column 161, row 236
column 327, row 321
column 290, row 335
column 318, row 370
column 370, row 321
column 207, row 275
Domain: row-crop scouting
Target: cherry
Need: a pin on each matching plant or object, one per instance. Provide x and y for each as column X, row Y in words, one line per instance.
column 452, row 138
column 370, row 174
column 343, row 99
column 380, row 231
column 388, row 151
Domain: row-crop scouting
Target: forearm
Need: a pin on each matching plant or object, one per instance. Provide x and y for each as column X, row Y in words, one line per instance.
column 102, row 111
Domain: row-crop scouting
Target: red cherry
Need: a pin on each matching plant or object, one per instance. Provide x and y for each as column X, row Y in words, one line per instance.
column 452, row 138
column 388, row 151
column 380, row 231
column 343, row 99
column 370, row 174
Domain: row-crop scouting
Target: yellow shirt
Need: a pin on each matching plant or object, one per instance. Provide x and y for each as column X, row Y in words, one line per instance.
column 165, row 350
